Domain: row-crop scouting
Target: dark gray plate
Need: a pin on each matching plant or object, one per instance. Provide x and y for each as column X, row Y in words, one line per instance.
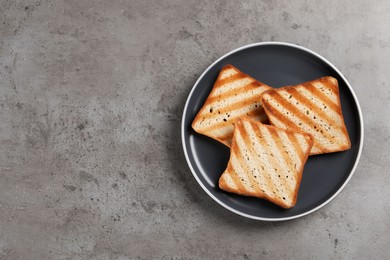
column 276, row 64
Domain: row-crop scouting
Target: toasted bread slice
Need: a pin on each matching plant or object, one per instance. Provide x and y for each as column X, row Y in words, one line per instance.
column 234, row 94
column 266, row 162
column 313, row 107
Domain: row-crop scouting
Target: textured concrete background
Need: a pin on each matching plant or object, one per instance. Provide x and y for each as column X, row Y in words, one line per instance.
column 91, row 96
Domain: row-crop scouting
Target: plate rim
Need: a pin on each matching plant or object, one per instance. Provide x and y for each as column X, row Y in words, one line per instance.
column 268, row 43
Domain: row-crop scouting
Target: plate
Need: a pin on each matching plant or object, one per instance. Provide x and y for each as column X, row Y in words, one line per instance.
column 276, row 64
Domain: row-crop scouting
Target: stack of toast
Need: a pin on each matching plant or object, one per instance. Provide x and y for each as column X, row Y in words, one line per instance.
column 271, row 132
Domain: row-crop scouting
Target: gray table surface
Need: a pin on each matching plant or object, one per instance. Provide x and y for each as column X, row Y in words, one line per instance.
column 91, row 98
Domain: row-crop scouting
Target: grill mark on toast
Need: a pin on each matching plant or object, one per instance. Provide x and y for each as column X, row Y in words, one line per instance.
column 231, row 93
column 320, row 95
column 274, row 162
column 279, row 115
column 220, row 89
column 295, row 150
column 330, row 109
column 296, row 145
column 217, row 114
column 263, row 146
column 265, row 177
column 297, row 95
column 257, row 141
column 234, row 176
column 238, row 154
column 319, row 130
column 228, row 127
column 303, row 118
column 332, row 115
column 237, row 165
column 276, row 121
column 302, row 141
column 329, row 82
column 231, row 113
column 286, row 159
column 226, row 182
column 213, row 110
column 255, row 113
column 302, row 162
column 248, row 89
column 230, row 79
column 224, row 130
column 248, row 102
column 242, row 175
column 211, row 124
column 228, row 71
column 326, row 89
